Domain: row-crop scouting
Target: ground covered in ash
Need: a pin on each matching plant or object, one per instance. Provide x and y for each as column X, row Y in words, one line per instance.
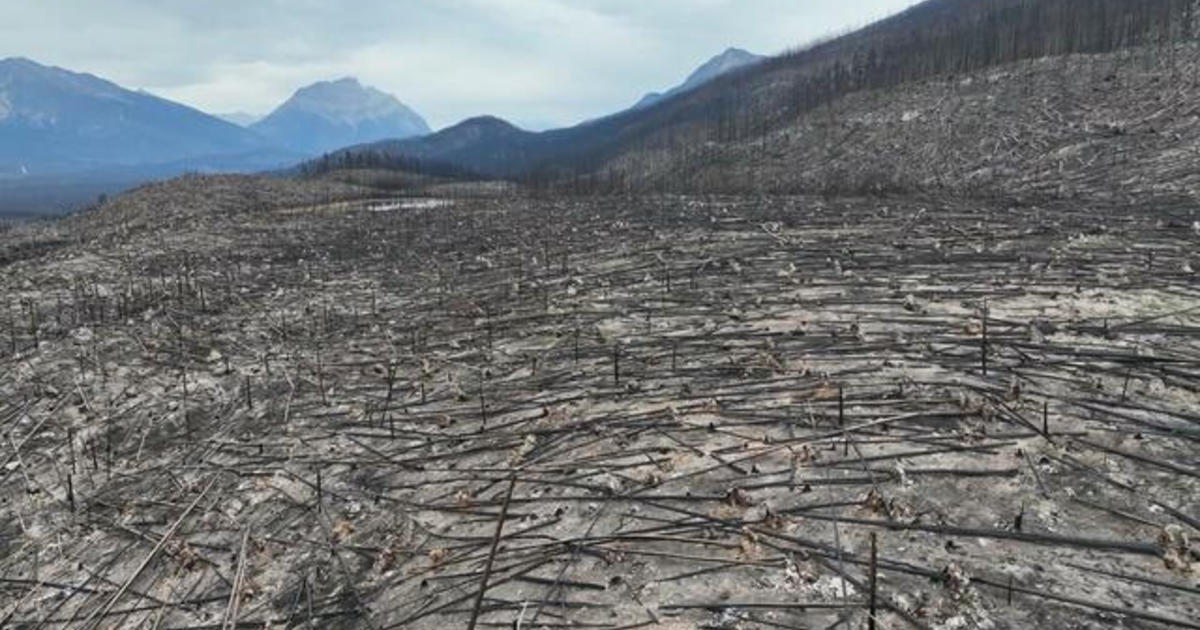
column 241, row 403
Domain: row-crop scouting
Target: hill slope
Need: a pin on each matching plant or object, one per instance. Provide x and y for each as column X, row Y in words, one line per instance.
column 696, row 138
column 949, row 94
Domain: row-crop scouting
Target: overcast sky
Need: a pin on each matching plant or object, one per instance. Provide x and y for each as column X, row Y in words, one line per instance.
column 538, row 63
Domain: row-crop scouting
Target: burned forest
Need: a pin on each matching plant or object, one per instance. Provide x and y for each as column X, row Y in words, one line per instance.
column 660, row 411
column 897, row 330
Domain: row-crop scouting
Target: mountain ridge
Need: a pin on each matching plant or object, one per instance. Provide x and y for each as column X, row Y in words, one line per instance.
column 730, row 60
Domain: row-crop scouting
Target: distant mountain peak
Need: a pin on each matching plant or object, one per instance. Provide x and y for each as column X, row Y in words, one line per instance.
column 344, row 100
column 333, row 114
column 728, row 61
column 345, row 86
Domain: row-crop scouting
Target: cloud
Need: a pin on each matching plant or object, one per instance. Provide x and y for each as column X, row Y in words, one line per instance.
column 539, row 63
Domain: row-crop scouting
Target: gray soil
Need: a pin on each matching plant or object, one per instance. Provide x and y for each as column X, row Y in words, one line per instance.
column 236, row 403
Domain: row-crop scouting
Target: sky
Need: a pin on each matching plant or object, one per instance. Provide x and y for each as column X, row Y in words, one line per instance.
column 537, row 63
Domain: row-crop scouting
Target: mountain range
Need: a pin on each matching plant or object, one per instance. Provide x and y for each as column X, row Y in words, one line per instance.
column 914, row 102
column 68, row 136
column 55, row 121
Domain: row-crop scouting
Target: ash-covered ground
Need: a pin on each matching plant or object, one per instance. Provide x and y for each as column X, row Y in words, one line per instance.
column 246, row 403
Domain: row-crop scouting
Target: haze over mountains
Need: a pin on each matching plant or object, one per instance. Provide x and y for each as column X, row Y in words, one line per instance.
column 66, row 137
column 241, row 119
